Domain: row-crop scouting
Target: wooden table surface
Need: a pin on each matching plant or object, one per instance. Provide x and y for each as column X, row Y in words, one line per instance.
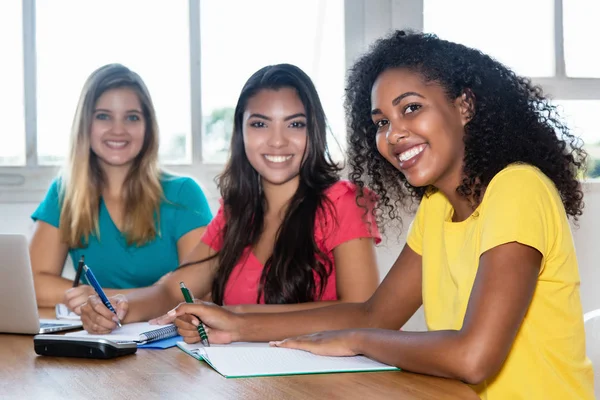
column 164, row 374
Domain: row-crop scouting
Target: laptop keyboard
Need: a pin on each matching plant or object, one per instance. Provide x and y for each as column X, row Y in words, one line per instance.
column 51, row 325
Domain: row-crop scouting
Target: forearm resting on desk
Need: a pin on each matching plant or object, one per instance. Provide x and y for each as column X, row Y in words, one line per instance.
column 276, row 308
column 50, row 289
column 448, row 354
column 260, row 327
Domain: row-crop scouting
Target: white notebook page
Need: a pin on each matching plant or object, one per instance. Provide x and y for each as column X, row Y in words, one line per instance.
column 258, row 360
column 127, row 333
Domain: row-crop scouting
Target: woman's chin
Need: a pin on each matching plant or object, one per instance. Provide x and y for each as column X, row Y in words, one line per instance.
column 418, row 180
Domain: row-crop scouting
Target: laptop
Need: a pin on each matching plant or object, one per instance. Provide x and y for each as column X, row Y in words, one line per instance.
column 18, row 307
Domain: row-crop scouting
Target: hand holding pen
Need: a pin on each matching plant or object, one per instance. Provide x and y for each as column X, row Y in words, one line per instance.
column 225, row 325
column 190, row 299
column 89, row 275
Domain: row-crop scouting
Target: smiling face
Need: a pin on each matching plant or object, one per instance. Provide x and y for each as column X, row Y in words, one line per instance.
column 118, row 127
column 419, row 130
column 275, row 134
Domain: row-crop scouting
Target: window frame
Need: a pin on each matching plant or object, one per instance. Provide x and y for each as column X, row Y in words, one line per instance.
column 365, row 21
column 29, row 182
column 409, row 14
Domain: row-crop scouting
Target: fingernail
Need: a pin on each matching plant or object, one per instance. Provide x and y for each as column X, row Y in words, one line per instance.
column 195, row 322
column 115, row 319
column 171, row 313
column 275, row 343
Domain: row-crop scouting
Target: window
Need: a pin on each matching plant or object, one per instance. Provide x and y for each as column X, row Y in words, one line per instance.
column 75, row 37
column 581, row 36
column 194, row 56
column 307, row 33
column 194, row 52
column 518, row 33
column 582, row 61
column 521, row 35
column 12, row 111
column 582, row 117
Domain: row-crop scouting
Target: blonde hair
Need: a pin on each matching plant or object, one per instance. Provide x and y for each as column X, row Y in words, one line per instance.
column 82, row 178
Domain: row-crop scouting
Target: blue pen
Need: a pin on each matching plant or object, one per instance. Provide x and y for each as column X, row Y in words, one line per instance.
column 92, row 280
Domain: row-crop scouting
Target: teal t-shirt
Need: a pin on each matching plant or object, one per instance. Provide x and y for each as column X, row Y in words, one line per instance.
column 119, row 266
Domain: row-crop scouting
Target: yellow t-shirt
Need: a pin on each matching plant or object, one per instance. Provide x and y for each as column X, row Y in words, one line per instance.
column 521, row 204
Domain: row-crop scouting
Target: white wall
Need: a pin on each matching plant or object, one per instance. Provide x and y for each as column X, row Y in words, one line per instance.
column 588, row 247
column 14, row 217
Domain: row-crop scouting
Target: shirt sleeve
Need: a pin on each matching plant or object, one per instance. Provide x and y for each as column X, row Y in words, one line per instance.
column 213, row 236
column 414, row 239
column 192, row 208
column 49, row 209
column 350, row 221
column 521, row 207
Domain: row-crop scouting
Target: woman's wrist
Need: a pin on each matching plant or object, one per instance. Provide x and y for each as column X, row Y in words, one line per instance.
column 238, row 308
column 355, row 340
column 245, row 330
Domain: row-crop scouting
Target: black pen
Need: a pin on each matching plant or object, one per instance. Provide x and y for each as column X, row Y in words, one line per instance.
column 79, row 270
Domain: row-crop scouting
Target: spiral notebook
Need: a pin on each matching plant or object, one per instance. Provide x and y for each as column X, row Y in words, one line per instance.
column 139, row 332
column 247, row 360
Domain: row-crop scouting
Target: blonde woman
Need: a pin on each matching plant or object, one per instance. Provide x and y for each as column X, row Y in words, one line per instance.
column 112, row 203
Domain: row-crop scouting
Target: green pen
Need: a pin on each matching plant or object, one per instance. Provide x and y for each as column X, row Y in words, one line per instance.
column 189, row 299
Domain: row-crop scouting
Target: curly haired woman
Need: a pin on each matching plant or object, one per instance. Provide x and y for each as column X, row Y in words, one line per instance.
column 489, row 255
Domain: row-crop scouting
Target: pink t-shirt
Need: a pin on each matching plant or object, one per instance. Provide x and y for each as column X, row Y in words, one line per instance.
column 330, row 231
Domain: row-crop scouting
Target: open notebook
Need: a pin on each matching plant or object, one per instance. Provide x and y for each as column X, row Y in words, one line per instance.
column 140, row 332
column 244, row 360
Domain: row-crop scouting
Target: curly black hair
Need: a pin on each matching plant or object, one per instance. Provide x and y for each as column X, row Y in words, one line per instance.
column 512, row 121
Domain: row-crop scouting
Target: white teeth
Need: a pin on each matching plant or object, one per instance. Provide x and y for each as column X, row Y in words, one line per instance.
column 277, row 159
column 117, row 144
column 410, row 153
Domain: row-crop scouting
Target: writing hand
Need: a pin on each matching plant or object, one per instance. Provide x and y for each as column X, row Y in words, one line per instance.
column 75, row 297
column 222, row 326
column 98, row 319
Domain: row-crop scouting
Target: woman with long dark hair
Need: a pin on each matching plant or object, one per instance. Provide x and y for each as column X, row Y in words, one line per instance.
column 289, row 234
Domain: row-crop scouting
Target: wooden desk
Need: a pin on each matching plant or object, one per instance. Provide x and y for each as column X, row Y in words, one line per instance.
column 166, row 374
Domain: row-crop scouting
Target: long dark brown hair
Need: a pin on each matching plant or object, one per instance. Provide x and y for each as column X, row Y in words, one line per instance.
column 289, row 274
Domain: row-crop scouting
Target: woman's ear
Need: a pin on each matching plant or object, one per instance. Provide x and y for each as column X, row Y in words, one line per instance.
column 466, row 105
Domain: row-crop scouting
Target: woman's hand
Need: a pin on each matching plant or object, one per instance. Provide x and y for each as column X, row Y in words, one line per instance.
column 98, row 319
column 331, row 343
column 75, row 297
column 222, row 326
